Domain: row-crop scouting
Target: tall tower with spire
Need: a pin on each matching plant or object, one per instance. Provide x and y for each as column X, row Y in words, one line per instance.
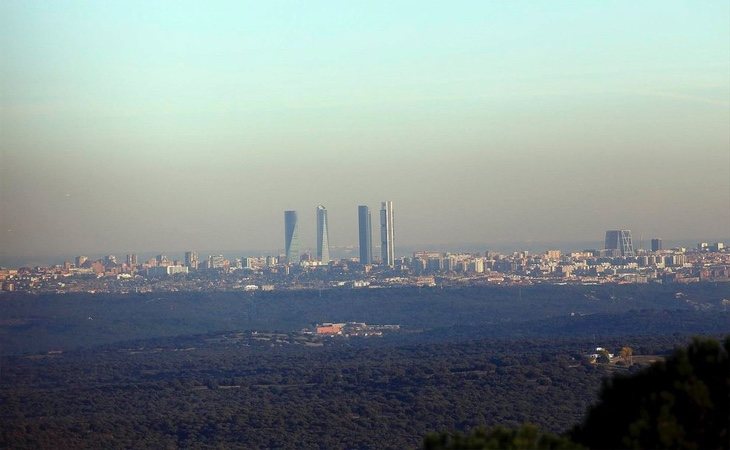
column 323, row 240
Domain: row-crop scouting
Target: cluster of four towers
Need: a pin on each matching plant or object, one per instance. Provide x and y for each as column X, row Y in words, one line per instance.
column 387, row 252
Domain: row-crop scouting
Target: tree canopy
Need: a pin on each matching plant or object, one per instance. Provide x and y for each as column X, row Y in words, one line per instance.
column 680, row 403
column 683, row 402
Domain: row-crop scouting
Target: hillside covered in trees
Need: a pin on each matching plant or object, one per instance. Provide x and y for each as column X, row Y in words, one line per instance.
column 204, row 391
column 211, row 370
column 39, row 323
column 683, row 403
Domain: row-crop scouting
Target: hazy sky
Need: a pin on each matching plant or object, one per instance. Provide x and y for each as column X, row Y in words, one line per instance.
column 156, row 126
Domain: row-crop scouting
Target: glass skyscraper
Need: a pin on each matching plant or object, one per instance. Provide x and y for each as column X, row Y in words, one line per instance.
column 291, row 236
column 323, row 240
column 620, row 240
column 365, row 234
column 386, row 234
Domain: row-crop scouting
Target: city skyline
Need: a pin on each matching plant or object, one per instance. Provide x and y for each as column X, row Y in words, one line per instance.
column 615, row 263
column 122, row 120
column 294, row 247
column 507, row 204
column 351, row 248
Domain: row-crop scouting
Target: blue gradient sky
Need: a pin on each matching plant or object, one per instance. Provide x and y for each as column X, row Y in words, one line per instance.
column 134, row 126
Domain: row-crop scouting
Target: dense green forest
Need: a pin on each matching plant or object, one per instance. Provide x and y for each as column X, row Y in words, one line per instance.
column 206, row 392
column 30, row 323
column 187, row 369
column 682, row 402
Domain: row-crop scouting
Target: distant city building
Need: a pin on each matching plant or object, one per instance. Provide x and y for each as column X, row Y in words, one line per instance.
column 162, row 260
column 365, row 234
column 132, row 259
column 98, row 266
column 656, row 244
column 387, row 249
column 435, row 264
column 80, row 260
column 620, row 242
column 449, row 264
column 323, row 240
column 110, row 260
column 217, row 262
column 718, row 246
column 166, row 270
column 192, row 260
column 291, row 237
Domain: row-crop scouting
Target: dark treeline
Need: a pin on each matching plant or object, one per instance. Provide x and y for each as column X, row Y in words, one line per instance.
column 30, row 323
column 166, row 370
column 185, row 392
column 681, row 402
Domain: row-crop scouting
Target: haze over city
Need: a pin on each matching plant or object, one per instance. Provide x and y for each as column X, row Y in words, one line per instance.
column 493, row 225
column 148, row 127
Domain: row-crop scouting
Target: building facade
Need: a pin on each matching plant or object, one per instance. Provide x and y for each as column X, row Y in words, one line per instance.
column 387, row 247
column 132, row 259
column 291, row 237
column 620, row 242
column 323, row 240
column 365, row 234
column 656, row 245
column 192, row 261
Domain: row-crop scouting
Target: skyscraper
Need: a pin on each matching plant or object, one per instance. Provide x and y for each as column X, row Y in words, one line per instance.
column 620, row 240
column 131, row 259
column 386, row 234
column 291, row 236
column 365, row 233
column 192, row 261
column 656, row 244
column 323, row 239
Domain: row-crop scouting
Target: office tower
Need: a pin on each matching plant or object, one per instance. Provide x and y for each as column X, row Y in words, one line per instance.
column 80, row 260
column 291, row 237
column 620, row 241
column 477, row 265
column 449, row 263
column 191, row 260
column 366, row 235
column 386, row 234
column 656, row 244
column 323, row 239
column 131, row 260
